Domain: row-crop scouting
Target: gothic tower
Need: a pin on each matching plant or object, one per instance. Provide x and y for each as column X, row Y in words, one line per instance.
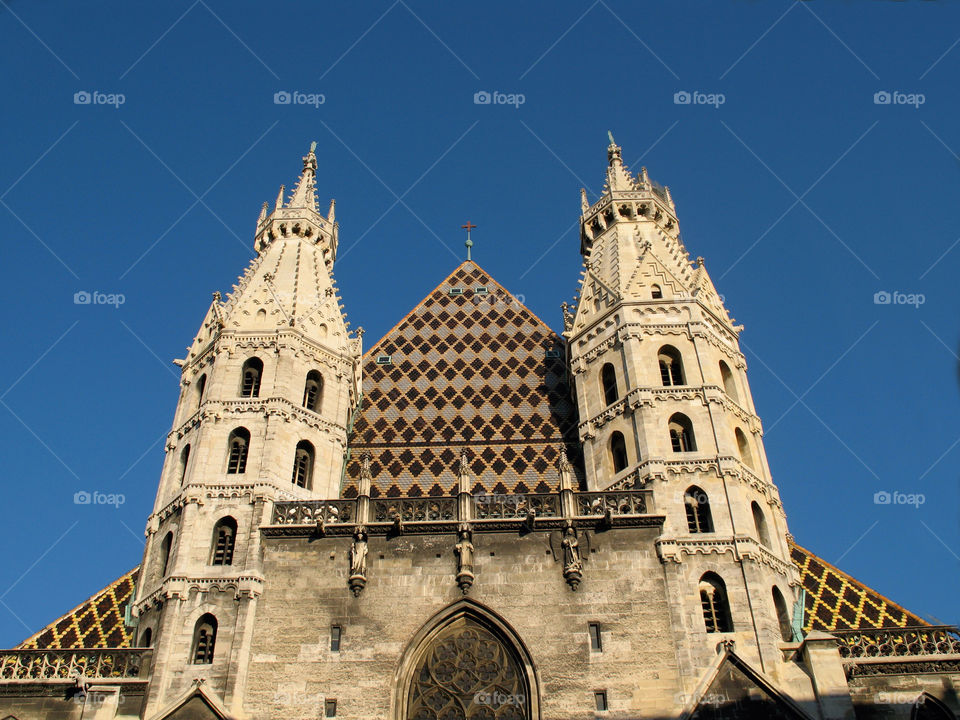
column 664, row 403
column 268, row 389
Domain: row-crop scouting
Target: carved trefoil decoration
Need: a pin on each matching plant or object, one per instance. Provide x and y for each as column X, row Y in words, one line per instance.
column 358, row 561
column 465, row 554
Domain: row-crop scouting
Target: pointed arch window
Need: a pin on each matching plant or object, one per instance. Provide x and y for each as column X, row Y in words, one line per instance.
column 618, row 452
column 713, row 600
column 467, row 670
column 760, row 523
column 201, row 387
column 146, row 640
column 671, row 366
column 927, row 707
column 729, row 386
column 238, row 447
column 224, row 540
column 681, row 433
column 250, row 378
column 697, row 505
column 743, row 446
column 313, row 391
column 184, row 461
column 165, row 548
column 783, row 615
column 204, row 640
column 655, row 292
column 303, row 464
column 608, row 383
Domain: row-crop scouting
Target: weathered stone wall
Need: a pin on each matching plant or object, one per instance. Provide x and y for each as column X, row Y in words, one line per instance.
column 411, row 578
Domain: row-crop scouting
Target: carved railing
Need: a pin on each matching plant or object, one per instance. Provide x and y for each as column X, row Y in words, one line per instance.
column 414, row 509
column 618, row 503
column 504, row 506
column 311, row 512
column 864, row 645
column 115, row 664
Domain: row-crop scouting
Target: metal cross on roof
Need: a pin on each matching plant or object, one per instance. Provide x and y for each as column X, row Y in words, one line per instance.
column 469, row 243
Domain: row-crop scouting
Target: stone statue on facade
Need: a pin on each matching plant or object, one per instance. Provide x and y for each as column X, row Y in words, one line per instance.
column 358, row 561
column 465, row 552
column 572, row 562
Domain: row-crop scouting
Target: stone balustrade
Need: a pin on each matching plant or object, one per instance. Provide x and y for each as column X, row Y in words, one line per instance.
column 95, row 664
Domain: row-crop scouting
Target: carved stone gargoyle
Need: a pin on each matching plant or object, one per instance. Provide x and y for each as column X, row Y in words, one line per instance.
column 358, row 561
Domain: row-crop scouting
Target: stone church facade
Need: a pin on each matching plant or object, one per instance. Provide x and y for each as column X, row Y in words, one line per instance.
column 477, row 517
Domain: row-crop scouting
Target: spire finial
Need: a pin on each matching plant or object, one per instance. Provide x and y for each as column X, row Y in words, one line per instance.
column 469, row 243
column 304, row 194
column 610, row 135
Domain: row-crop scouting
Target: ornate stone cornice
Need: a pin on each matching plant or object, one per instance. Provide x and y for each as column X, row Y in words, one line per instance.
column 179, row 587
column 216, row 410
column 740, row 547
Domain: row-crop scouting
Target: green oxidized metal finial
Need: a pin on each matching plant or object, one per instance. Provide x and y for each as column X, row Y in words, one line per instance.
column 610, row 135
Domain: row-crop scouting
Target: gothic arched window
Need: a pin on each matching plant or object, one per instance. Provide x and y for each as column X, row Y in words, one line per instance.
column 618, row 452
column 201, row 386
column 184, row 459
column 697, row 505
column 681, row 433
column 729, row 387
column 783, row 615
column 760, row 522
column 165, row 547
column 313, row 391
column 467, row 671
column 744, row 447
column 608, row 383
column 927, row 707
column 204, row 640
column 237, row 448
column 224, row 539
column 303, row 464
column 716, row 608
column 671, row 366
column 147, row 638
column 250, row 378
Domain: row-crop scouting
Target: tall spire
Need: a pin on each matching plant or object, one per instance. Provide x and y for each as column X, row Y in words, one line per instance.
column 305, row 193
column 618, row 177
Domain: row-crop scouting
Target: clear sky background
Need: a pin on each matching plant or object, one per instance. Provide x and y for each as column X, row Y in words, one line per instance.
column 804, row 196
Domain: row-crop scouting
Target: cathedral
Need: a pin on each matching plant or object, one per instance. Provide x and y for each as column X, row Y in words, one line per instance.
column 477, row 516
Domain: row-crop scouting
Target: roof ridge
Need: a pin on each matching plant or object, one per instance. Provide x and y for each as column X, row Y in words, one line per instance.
column 440, row 285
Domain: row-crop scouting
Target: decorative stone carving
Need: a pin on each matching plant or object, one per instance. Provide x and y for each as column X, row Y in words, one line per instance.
column 358, row 561
column 465, row 553
column 572, row 562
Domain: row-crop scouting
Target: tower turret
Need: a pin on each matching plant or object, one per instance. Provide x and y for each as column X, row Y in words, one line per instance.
column 664, row 404
column 267, row 389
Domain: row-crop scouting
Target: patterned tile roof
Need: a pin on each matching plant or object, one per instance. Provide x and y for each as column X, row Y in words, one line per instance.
column 96, row 623
column 471, row 367
column 835, row 601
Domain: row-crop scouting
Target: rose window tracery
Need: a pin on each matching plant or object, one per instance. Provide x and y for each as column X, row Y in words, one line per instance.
column 467, row 673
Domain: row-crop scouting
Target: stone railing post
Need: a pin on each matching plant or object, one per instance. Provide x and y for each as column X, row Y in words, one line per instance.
column 822, row 657
column 465, row 488
column 363, row 497
column 565, row 469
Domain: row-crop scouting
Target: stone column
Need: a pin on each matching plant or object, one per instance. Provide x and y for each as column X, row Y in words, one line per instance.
column 821, row 655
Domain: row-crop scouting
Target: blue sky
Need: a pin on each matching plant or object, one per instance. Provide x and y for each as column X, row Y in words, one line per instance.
column 804, row 194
